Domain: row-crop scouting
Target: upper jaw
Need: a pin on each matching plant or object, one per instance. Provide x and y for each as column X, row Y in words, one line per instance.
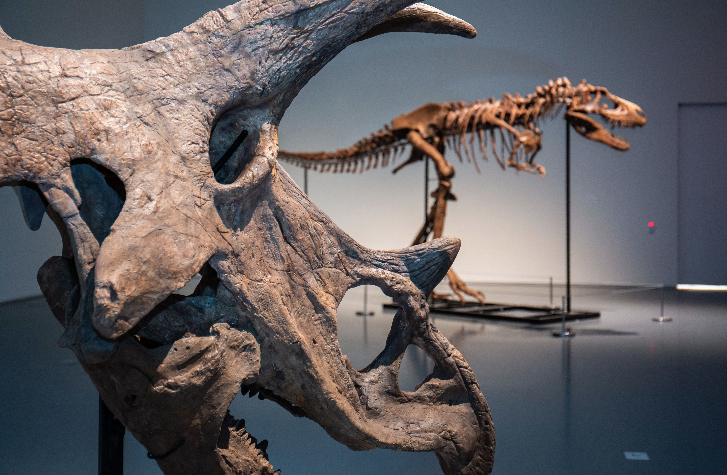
column 625, row 114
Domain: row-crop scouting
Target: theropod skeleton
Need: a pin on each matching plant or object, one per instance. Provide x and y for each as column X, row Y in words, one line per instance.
column 509, row 124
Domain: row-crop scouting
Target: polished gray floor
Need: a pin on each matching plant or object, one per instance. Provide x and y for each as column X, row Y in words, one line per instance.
column 623, row 384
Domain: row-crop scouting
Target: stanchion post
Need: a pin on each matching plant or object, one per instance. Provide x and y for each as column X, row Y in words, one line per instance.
column 661, row 318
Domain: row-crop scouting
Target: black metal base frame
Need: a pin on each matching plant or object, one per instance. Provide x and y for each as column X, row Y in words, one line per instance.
column 498, row 311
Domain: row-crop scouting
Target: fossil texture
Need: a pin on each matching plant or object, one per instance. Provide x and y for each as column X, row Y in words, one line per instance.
column 157, row 163
column 510, row 122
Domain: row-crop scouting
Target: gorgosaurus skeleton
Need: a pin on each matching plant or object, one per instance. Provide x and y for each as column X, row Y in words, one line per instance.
column 512, row 121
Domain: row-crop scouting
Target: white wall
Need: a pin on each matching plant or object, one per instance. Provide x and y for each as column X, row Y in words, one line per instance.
column 655, row 53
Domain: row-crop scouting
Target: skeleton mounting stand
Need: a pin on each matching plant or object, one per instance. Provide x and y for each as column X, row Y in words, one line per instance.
column 521, row 313
column 431, row 128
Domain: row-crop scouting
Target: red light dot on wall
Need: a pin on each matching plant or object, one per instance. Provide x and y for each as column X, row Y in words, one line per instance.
column 651, row 224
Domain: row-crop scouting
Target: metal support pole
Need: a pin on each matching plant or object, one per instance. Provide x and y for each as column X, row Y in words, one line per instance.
column 551, row 293
column 661, row 318
column 110, row 442
column 567, row 305
column 365, row 312
column 564, row 332
column 426, row 188
column 305, row 181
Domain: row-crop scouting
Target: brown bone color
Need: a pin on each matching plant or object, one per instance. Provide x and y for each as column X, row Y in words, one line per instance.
column 119, row 148
column 509, row 124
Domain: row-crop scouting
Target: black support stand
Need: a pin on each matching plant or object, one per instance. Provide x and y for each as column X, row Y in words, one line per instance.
column 110, row 442
column 505, row 312
column 426, row 188
column 519, row 313
column 567, row 217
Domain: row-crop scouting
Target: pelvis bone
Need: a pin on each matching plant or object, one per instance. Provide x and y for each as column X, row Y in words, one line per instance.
column 158, row 163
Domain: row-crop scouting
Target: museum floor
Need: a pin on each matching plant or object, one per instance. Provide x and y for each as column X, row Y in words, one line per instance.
column 623, row 384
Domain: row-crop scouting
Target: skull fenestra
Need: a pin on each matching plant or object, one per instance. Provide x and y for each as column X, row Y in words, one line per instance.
column 157, row 163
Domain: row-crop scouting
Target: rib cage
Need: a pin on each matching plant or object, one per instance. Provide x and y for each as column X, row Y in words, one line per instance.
column 506, row 123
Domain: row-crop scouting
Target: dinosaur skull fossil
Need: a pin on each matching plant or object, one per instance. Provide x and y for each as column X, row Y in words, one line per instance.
column 158, row 162
column 591, row 99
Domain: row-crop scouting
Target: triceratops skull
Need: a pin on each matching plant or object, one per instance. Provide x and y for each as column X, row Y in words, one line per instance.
column 158, row 162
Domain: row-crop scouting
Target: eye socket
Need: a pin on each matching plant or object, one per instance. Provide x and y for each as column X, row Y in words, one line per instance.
column 102, row 196
column 217, row 167
column 230, row 147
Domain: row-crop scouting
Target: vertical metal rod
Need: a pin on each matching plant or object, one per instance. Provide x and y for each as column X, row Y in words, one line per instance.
column 110, row 442
column 365, row 312
column 305, row 181
column 426, row 188
column 551, row 291
column 366, row 332
column 564, row 332
column 567, row 216
column 366, row 295
column 661, row 318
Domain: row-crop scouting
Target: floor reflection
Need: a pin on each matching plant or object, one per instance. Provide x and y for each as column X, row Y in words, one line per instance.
column 561, row 406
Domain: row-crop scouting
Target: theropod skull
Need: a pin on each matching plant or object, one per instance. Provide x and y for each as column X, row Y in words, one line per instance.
column 158, row 162
column 594, row 100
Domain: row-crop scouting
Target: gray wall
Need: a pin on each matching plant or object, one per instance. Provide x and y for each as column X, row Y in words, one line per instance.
column 66, row 24
column 702, row 175
column 655, row 53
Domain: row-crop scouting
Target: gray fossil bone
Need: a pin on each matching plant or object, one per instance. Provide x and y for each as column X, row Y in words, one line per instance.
column 157, row 163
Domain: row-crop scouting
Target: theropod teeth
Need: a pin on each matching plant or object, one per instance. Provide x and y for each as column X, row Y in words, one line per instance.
column 240, row 424
column 262, row 447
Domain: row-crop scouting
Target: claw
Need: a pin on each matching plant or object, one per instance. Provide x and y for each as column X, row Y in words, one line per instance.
column 460, row 288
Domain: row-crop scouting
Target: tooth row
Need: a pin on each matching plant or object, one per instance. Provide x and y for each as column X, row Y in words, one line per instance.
column 262, row 446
